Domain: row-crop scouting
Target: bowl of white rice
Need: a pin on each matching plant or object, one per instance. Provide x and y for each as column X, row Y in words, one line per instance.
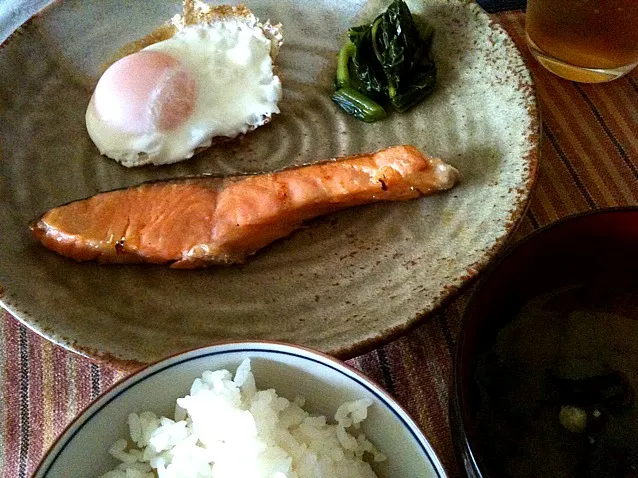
column 243, row 410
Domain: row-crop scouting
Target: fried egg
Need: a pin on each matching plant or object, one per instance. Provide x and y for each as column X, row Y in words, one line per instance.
column 171, row 99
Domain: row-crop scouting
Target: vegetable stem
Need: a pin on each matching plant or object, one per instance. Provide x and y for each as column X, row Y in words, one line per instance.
column 343, row 62
column 373, row 37
column 358, row 105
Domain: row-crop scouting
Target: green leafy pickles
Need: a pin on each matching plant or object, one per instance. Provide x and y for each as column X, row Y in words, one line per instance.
column 385, row 62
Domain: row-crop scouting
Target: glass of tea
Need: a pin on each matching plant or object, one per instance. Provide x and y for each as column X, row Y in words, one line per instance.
column 584, row 40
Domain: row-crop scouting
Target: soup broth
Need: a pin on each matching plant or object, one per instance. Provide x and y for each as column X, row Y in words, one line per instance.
column 556, row 386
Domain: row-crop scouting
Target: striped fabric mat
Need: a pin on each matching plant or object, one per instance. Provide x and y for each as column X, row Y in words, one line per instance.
column 589, row 160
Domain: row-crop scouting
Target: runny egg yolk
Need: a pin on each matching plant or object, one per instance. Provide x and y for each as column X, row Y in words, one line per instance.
column 146, row 92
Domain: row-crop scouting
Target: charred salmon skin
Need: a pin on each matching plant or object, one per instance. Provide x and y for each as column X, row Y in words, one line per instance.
column 196, row 222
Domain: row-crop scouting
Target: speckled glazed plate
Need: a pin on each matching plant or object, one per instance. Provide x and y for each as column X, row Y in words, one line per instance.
column 345, row 283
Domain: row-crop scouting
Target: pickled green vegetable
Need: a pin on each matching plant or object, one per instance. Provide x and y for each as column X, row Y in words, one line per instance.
column 388, row 62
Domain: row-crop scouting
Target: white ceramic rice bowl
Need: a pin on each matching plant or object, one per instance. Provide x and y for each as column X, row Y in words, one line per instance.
column 82, row 450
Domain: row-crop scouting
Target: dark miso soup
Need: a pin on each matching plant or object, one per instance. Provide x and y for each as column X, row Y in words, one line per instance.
column 557, row 385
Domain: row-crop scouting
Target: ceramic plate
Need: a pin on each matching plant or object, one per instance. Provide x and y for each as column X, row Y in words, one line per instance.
column 342, row 285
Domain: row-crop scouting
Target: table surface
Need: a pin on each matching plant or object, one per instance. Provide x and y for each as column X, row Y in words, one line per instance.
column 589, row 160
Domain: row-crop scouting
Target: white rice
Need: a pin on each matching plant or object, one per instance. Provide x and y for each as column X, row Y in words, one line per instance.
column 227, row 428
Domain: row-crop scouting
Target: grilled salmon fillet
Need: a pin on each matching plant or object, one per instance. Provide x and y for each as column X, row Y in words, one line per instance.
column 196, row 222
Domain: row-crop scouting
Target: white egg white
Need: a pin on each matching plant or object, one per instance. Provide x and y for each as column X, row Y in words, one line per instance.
column 237, row 91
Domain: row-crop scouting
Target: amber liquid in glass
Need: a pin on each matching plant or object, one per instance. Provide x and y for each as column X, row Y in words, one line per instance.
column 584, row 34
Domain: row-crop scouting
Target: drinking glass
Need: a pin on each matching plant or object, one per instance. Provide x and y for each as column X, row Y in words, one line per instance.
column 589, row 41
